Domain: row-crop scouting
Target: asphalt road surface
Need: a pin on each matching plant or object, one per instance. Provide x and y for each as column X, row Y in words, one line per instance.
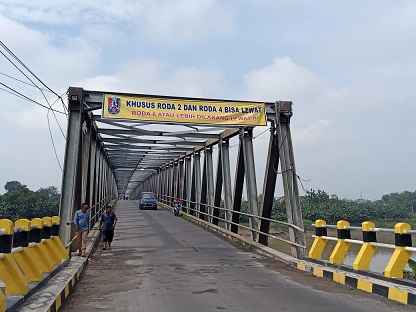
column 160, row 262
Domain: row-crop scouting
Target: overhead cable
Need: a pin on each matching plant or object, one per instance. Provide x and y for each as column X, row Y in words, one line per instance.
column 14, row 92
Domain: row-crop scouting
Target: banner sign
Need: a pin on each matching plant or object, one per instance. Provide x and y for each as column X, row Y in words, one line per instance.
column 184, row 110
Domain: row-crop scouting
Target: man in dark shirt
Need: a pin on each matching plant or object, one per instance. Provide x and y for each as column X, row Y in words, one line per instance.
column 107, row 224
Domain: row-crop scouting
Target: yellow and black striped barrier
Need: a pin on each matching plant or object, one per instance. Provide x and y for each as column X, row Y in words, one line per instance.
column 28, row 249
column 402, row 248
column 402, row 252
column 401, row 293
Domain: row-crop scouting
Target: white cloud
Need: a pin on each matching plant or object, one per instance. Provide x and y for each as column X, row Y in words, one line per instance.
column 153, row 77
column 186, row 20
column 164, row 21
column 352, row 84
column 52, row 63
column 281, row 80
column 61, row 12
column 382, row 42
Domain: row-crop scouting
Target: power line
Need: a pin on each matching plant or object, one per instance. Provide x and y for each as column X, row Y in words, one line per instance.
column 34, row 84
column 29, row 84
column 11, row 53
column 53, row 143
column 260, row 133
column 14, row 92
column 5, row 90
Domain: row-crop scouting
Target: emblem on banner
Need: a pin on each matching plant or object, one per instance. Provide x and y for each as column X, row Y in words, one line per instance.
column 114, row 105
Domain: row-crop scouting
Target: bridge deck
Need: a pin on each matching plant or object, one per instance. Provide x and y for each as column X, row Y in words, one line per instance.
column 162, row 263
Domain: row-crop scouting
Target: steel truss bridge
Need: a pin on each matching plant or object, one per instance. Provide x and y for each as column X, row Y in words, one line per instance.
column 113, row 158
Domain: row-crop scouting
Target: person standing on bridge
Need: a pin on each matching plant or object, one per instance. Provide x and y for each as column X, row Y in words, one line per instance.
column 107, row 225
column 82, row 226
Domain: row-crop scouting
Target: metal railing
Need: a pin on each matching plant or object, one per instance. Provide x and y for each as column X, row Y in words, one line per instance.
column 166, row 201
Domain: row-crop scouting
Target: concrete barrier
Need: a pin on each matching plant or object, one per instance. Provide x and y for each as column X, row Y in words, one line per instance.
column 30, row 252
column 402, row 249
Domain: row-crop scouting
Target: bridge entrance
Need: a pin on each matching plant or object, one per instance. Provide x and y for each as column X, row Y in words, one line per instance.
column 119, row 145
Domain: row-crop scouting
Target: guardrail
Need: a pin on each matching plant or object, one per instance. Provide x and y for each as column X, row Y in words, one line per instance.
column 402, row 248
column 28, row 250
column 207, row 215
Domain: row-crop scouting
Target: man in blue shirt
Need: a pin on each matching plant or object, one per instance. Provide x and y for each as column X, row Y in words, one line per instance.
column 107, row 225
column 82, row 226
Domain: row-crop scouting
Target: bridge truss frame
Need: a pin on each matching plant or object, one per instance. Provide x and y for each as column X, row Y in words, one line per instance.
column 126, row 159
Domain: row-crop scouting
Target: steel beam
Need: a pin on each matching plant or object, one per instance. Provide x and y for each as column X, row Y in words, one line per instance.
column 193, row 195
column 218, row 190
column 251, row 184
column 70, row 178
column 210, row 181
column 226, row 177
column 238, row 185
column 290, row 185
column 197, row 168
column 188, row 165
column 203, row 193
column 93, row 157
column 269, row 186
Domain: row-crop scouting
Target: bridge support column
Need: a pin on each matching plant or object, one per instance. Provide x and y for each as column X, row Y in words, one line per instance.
column 238, row 185
column 92, row 178
column 171, row 183
column 71, row 183
column 197, row 168
column 251, row 185
column 269, row 186
column 203, row 195
column 226, row 177
column 188, row 172
column 181, row 181
column 210, row 182
column 218, row 190
column 290, row 185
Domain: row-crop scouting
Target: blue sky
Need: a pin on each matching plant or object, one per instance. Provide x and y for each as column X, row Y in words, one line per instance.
column 348, row 67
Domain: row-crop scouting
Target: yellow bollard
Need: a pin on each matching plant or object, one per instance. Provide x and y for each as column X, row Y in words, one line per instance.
column 400, row 255
column 40, row 249
column 25, row 258
column 10, row 272
column 366, row 253
column 319, row 243
column 341, row 248
column 2, row 302
column 56, row 221
column 46, row 235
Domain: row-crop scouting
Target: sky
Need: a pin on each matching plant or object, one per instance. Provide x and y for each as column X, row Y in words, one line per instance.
column 348, row 67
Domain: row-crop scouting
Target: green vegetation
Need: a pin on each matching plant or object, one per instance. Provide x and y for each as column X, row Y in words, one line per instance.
column 19, row 202
column 315, row 205
column 394, row 207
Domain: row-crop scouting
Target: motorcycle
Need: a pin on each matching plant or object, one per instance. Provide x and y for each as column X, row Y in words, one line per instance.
column 176, row 208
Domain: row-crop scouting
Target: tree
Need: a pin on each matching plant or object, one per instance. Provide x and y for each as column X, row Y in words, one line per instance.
column 20, row 202
column 13, row 186
column 49, row 192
